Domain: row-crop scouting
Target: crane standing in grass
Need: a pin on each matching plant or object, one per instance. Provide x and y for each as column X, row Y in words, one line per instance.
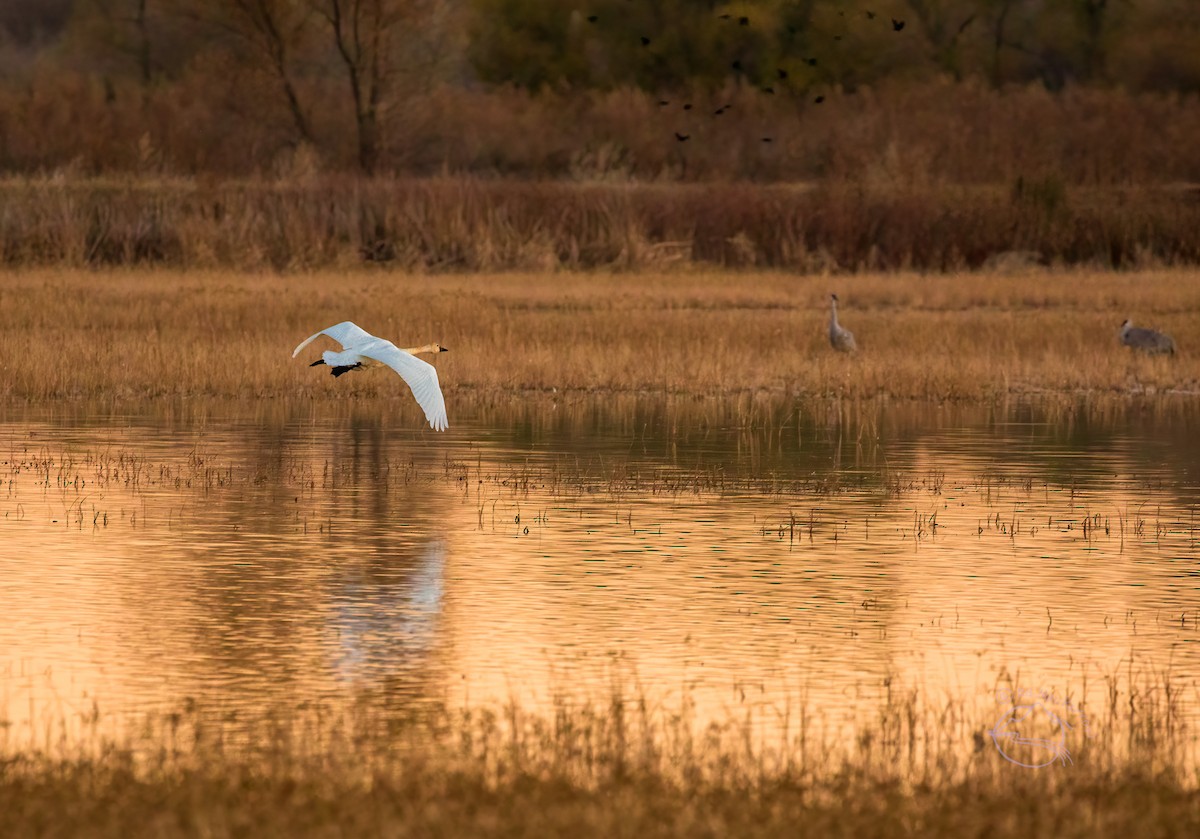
column 1150, row 340
column 840, row 339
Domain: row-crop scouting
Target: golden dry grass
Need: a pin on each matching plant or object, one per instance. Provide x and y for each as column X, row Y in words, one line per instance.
column 129, row 335
column 621, row 767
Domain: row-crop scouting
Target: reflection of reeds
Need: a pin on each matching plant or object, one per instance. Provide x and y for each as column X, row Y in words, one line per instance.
column 168, row 483
column 138, row 335
column 614, row 765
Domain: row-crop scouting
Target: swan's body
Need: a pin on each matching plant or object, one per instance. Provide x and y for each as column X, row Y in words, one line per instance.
column 840, row 339
column 363, row 351
column 1146, row 339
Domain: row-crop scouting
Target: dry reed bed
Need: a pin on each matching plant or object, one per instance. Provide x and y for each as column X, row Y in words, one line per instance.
column 453, row 224
column 136, row 335
column 617, row 766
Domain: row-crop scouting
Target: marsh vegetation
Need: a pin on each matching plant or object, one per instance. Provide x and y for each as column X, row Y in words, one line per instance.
column 451, row 224
column 620, row 767
column 677, row 566
column 241, row 597
column 133, row 335
column 819, row 585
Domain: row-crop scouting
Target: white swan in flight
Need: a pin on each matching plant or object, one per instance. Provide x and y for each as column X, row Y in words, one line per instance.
column 840, row 338
column 362, row 351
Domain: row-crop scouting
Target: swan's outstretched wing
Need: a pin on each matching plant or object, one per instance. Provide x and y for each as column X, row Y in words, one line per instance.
column 345, row 333
column 420, row 375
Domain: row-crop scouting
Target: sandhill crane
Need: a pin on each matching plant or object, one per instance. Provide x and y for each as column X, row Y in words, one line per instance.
column 841, row 339
column 362, row 351
column 1149, row 340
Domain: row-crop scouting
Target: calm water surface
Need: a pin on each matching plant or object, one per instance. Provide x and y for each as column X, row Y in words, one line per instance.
column 731, row 556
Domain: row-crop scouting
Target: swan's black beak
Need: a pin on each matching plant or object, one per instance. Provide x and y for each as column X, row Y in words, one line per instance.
column 317, row 363
column 443, row 349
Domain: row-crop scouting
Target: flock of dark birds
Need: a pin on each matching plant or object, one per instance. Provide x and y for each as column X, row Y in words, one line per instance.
column 736, row 64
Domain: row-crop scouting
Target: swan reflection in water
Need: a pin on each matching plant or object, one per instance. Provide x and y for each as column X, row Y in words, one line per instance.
column 387, row 622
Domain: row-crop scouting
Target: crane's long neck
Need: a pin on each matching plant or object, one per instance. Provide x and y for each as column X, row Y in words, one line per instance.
column 430, row 348
column 833, row 314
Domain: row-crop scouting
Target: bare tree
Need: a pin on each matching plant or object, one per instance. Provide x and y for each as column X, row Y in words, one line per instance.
column 143, row 41
column 363, row 33
column 123, row 28
column 1093, row 15
column 944, row 25
column 272, row 30
column 1002, row 8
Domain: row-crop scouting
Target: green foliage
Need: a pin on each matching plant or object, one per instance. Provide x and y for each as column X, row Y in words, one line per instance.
column 655, row 46
column 533, row 43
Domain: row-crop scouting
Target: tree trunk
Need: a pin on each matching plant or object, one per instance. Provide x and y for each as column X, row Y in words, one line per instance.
column 143, row 45
column 361, row 53
column 1093, row 50
column 998, row 44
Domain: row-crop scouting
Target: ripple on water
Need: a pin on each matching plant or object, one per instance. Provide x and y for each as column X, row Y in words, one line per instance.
column 672, row 550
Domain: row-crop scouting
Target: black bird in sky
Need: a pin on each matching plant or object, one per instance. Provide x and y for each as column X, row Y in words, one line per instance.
column 681, row 137
column 897, row 25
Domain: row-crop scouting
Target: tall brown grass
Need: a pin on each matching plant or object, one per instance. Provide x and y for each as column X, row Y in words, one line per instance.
column 471, row 224
column 623, row 766
column 115, row 335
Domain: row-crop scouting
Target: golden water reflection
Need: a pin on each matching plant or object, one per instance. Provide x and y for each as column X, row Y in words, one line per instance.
column 727, row 557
